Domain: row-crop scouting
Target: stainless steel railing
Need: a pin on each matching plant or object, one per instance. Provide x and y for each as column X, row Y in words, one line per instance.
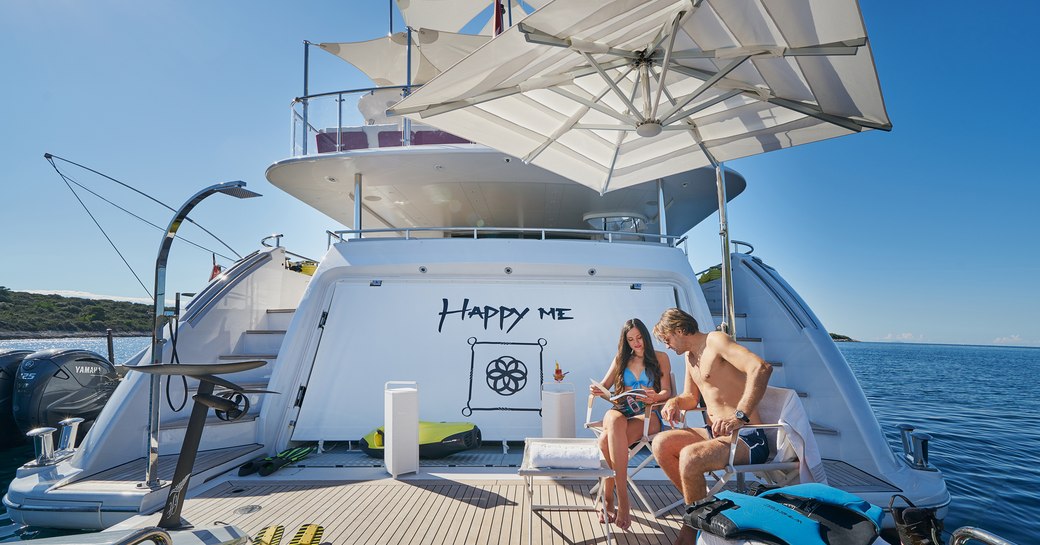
column 968, row 533
column 519, row 232
column 314, row 115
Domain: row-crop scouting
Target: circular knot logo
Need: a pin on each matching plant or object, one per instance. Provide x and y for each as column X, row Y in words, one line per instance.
column 506, row 375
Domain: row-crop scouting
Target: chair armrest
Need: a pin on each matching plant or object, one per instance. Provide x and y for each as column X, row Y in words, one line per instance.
column 649, row 408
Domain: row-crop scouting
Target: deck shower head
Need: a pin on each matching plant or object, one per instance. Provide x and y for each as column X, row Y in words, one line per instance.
column 238, row 190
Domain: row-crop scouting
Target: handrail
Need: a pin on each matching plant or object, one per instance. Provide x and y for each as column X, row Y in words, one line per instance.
column 671, row 240
column 348, row 92
column 738, row 243
column 964, row 534
column 278, row 244
column 152, row 533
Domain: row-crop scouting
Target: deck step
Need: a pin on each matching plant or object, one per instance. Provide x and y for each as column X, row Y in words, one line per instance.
column 820, row 429
column 261, row 341
column 276, row 318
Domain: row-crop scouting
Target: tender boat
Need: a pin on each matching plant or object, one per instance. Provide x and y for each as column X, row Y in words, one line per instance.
column 470, row 273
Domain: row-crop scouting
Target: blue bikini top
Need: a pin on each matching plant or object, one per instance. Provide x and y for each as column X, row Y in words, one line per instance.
column 631, row 382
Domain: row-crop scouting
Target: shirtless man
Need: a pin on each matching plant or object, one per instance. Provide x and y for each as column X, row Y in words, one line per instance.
column 731, row 380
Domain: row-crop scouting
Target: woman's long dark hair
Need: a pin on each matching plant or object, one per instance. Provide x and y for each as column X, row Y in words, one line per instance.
column 653, row 369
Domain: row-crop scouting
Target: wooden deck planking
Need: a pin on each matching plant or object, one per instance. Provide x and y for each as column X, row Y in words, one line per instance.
column 375, row 512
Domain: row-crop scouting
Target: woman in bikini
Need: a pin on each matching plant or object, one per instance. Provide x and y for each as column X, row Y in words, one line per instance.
column 636, row 366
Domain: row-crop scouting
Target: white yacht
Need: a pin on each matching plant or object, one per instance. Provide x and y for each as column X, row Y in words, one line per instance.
column 453, row 262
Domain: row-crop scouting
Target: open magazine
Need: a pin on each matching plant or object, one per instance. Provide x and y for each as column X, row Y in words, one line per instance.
column 630, row 402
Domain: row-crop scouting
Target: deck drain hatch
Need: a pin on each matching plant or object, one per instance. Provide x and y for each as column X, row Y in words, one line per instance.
column 247, row 509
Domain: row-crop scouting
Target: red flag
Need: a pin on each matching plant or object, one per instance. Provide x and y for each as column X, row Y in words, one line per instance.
column 217, row 269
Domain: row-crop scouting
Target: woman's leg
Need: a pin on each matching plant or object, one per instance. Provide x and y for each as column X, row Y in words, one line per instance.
column 632, row 432
column 607, row 484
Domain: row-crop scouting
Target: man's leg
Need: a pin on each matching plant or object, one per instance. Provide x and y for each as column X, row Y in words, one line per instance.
column 667, row 447
column 694, row 461
column 698, row 458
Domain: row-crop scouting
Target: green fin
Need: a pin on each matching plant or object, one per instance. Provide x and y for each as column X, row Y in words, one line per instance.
column 284, row 459
column 271, row 535
column 308, row 534
column 258, row 464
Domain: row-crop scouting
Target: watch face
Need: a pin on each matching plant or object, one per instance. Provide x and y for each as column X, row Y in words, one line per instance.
column 741, row 416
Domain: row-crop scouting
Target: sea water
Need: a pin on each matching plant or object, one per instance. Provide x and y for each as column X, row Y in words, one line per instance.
column 979, row 403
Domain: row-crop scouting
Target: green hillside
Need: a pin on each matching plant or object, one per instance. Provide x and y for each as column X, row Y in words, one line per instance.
column 26, row 315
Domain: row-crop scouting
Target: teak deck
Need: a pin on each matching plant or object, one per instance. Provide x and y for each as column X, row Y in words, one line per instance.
column 434, row 511
column 451, row 501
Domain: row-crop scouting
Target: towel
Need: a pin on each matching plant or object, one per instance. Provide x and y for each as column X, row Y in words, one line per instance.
column 563, row 456
column 796, row 440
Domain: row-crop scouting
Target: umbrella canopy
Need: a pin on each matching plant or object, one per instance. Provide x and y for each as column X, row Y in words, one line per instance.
column 617, row 92
column 385, row 60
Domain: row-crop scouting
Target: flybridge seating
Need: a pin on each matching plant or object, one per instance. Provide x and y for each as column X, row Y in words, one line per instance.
column 357, row 120
column 380, row 136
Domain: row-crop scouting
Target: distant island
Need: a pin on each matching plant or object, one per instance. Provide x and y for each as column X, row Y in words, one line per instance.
column 35, row 316
column 842, row 338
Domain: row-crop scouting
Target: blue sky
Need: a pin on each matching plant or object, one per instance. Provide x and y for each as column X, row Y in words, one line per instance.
column 923, row 234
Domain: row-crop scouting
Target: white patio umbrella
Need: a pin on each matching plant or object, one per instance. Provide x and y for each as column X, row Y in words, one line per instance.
column 612, row 93
column 577, row 87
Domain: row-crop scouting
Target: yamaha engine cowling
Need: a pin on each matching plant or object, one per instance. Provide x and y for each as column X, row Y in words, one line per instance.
column 10, row 359
column 52, row 385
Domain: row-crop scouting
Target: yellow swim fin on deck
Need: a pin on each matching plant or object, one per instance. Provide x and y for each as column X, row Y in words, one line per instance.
column 308, row 534
column 271, row 535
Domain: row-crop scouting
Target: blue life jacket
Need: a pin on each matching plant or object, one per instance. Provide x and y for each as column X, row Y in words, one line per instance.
column 803, row 514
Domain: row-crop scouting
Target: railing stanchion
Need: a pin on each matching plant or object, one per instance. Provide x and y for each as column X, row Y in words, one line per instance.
column 339, row 122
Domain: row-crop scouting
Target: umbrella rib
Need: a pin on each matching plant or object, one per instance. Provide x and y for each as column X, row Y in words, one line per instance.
column 535, row 36
column 613, row 162
column 601, row 127
column 812, row 110
column 847, row 47
column 665, row 64
column 803, row 108
column 594, row 105
column 425, row 110
column 670, row 116
column 617, row 149
column 613, row 86
column 659, row 39
column 569, row 124
column 707, row 104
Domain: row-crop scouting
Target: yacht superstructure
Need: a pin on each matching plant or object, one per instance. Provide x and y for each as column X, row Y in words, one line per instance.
column 458, row 262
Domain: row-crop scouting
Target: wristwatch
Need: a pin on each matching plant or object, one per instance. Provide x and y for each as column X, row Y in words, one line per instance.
column 743, row 417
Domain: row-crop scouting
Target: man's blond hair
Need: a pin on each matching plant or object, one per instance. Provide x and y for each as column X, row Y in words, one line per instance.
column 675, row 320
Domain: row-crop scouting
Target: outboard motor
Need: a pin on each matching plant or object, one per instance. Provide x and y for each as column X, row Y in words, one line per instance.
column 9, row 361
column 52, row 385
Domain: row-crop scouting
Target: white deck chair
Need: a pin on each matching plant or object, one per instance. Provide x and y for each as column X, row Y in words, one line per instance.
column 644, row 442
column 795, row 456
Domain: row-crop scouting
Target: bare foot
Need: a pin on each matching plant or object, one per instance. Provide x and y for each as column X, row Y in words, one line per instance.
column 622, row 518
column 611, row 515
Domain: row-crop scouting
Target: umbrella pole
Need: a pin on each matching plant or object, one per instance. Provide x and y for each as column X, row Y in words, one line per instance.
column 727, row 266
column 662, row 221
